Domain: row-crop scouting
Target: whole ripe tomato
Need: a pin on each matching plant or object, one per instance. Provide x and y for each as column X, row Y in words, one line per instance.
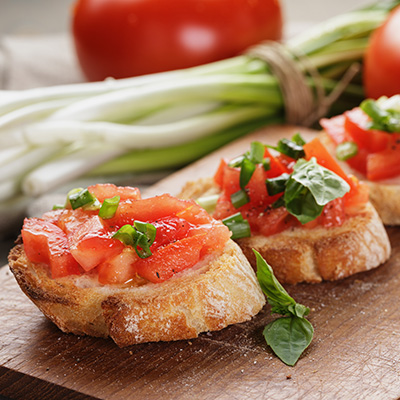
column 122, row 38
column 382, row 59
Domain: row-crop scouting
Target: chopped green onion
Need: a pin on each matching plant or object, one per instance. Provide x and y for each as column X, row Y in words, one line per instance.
column 208, row 202
column 109, row 207
column 297, row 138
column 239, row 226
column 291, row 149
column 149, row 230
column 384, row 120
column 257, row 151
column 266, row 163
column 140, row 236
column 80, row 197
column 246, row 172
column 58, row 207
column 237, row 161
column 346, row 150
column 239, row 198
column 276, row 185
column 126, row 234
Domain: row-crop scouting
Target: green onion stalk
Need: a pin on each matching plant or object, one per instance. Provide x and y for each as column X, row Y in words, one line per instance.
column 51, row 136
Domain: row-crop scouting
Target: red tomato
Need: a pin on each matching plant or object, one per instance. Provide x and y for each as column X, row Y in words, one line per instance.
column 108, row 190
column 170, row 259
column 122, row 38
column 119, row 269
column 91, row 244
column 384, row 165
column 356, row 124
column 47, row 243
column 381, row 75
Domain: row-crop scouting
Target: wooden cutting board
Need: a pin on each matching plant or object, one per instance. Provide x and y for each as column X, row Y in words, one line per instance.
column 355, row 353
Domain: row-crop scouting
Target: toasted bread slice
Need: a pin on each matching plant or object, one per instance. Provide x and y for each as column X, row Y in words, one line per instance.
column 220, row 290
column 384, row 195
column 312, row 255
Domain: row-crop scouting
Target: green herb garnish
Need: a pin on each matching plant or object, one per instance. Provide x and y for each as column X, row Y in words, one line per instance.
column 291, row 334
column 140, row 236
column 109, row 207
column 291, row 148
column 310, row 187
column 239, row 198
column 387, row 120
column 239, row 226
column 276, row 185
column 346, row 150
column 82, row 198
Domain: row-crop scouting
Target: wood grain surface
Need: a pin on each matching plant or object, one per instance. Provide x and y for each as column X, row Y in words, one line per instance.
column 355, row 353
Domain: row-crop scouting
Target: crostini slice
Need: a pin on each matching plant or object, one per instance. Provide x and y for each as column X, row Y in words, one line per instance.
column 89, row 279
column 345, row 237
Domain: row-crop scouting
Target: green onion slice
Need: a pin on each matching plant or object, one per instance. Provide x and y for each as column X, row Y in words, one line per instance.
column 346, row 150
column 58, row 207
column 239, row 226
column 81, row 197
column 126, row 234
column 208, row 202
column 277, row 185
column 239, row 198
column 140, row 236
column 246, row 172
column 266, row 163
column 257, row 151
column 237, row 161
column 297, row 138
column 109, row 207
column 291, row 149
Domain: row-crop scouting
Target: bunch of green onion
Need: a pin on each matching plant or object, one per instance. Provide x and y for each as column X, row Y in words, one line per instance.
column 51, row 136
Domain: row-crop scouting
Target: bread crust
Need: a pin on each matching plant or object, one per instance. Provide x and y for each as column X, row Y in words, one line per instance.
column 384, row 195
column 219, row 291
column 312, row 255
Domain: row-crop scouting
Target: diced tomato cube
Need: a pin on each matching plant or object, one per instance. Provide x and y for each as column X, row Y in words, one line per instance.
column 107, row 190
column 384, row 165
column 119, row 269
column 334, row 127
column 170, row 259
column 91, row 244
column 219, row 175
column 45, row 242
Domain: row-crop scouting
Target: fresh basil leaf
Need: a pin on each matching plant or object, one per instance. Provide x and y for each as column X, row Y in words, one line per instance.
column 300, row 202
column 277, row 296
column 289, row 337
column 323, row 184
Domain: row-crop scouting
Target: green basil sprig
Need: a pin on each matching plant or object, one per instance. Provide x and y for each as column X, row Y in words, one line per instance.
column 310, row 187
column 291, row 334
column 140, row 236
column 382, row 119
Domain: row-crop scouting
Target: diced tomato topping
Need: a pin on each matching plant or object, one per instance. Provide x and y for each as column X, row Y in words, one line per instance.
column 47, row 243
column 378, row 151
column 219, row 175
column 334, row 127
column 170, row 259
column 73, row 241
column 118, row 269
column 147, row 210
column 108, row 190
column 91, row 244
column 385, row 164
column 356, row 124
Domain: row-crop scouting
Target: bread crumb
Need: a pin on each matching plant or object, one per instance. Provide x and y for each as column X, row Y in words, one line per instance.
column 288, row 376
